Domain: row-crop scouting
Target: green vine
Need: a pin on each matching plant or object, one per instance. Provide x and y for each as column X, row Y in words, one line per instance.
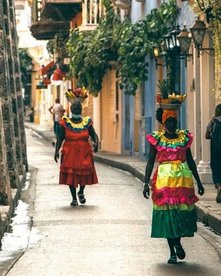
column 126, row 43
column 91, row 52
column 138, row 40
column 58, row 42
column 25, row 66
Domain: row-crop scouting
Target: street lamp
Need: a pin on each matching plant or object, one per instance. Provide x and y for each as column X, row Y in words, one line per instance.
column 156, row 54
column 198, row 32
column 167, row 42
column 184, row 39
column 173, row 37
column 177, row 43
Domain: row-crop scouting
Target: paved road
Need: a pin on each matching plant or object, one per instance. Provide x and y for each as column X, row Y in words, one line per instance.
column 110, row 235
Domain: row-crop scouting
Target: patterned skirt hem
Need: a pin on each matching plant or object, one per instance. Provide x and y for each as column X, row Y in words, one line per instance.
column 76, row 179
column 174, row 223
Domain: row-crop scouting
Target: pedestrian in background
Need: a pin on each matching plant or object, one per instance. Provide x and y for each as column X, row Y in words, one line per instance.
column 57, row 110
column 77, row 165
column 213, row 132
column 174, row 213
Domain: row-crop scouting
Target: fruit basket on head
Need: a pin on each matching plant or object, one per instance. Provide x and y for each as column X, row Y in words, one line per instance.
column 173, row 101
column 76, row 94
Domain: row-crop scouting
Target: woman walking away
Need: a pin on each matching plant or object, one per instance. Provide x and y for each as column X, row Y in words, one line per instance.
column 77, row 165
column 213, row 132
column 174, row 213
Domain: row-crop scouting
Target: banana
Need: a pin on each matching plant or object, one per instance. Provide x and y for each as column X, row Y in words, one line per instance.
column 69, row 94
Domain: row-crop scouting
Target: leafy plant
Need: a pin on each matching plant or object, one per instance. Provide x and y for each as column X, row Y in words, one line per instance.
column 132, row 52
column 164, row 87
column 58, row 43
column 91, row 53
column 126, row 43
column 25, row 66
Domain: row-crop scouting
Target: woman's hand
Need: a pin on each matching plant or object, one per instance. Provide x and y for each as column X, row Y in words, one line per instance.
column 56, row 156
column 95, row 147
column 200, row 189
column 146, row 190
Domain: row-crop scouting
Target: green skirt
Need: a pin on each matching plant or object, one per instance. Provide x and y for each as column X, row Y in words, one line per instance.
column 174, row 222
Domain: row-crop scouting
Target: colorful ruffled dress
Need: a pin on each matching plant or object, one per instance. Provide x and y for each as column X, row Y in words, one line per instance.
column 174, row 212
column 77, row 165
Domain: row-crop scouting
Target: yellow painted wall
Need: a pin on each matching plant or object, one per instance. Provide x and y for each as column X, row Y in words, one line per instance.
column 110, row 117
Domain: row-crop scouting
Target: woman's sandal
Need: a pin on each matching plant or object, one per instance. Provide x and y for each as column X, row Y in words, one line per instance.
column 172, row 259
column 180, row 252
column 82, row 198
column 74, row 203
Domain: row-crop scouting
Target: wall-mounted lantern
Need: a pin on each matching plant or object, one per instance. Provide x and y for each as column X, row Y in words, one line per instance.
column 198, row 31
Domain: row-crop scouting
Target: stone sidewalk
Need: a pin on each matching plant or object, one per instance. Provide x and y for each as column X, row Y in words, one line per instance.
column 209, row 212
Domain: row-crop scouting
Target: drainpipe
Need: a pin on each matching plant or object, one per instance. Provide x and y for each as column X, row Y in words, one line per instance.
column 183, row 91
column 197, row 110
column 131, row 104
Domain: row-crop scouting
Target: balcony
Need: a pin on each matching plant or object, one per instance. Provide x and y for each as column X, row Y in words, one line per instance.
column 60, row 10
column 50, row 16
column 92, row 12
column 47, row 28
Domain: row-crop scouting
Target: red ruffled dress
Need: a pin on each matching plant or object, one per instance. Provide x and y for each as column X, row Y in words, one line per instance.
column 173, row 195
column 77, row 165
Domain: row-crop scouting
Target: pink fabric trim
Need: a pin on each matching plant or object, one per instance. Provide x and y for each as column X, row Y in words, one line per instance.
column 190, row 136
column 168, row 148
column 152, row 140
column 172, row 196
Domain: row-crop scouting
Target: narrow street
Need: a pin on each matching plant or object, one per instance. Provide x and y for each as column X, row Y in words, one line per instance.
column 110, row 235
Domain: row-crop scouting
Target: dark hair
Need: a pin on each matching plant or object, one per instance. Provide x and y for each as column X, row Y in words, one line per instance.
column 57, row 100
column 218, row 110
column 159, row 114
column 76, row 108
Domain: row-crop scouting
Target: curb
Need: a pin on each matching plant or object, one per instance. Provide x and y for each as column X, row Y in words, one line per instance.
column 121, row 166
column 203, row 214
column 7, row 211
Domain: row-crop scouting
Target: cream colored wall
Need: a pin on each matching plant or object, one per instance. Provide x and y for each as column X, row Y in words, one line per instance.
column 110, row 118
column 199, row 102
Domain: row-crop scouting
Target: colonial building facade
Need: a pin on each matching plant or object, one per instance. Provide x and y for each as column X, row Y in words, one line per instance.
column 122, row 120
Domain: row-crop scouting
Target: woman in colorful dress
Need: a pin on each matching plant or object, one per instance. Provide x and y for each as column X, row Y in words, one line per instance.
column 77, row 165
column 173, row 196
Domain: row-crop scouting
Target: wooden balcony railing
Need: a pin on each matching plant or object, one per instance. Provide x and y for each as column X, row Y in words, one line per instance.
column 92, row 12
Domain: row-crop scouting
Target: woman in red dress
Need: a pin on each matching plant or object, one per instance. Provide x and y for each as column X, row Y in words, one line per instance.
column 77, row 165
